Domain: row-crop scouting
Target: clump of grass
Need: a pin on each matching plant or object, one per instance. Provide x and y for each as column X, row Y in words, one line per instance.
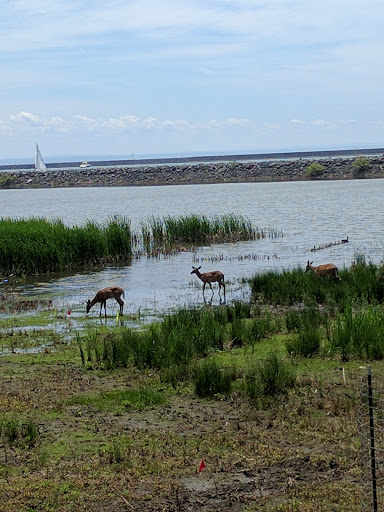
column 260, row 326
column 142, row 398
column 37, row 245
column 118, row 450
column 169, row 233
column 176, row 340
column 306, row 343
column 359, row 334
column 210, row 380
column 269, row 378
column 15, row 431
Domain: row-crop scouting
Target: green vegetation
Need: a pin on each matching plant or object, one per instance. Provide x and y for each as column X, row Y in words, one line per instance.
column 360, row 166
column 36, row 245
column 170, row 233
column 120, row 400
column 14, row 431
column 7, row 180
column 315, row 170
column 210, row 380
column 269, row 378
column 362, row 284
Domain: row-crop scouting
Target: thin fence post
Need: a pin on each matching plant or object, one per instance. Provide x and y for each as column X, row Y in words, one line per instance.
column 372, row 438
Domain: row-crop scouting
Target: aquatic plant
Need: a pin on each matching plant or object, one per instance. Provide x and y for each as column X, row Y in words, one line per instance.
column 37, row 245
column 172, row 233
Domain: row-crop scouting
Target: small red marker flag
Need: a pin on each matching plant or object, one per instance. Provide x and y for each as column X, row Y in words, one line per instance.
column 68, row 312
column 202, row 466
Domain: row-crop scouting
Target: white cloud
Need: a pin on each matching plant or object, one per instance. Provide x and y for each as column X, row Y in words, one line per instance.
column 235, row 122
column 320, row 122
column 26, row 117
column 179, row 124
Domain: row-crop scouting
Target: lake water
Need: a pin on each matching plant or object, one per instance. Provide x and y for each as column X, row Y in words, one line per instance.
column 308, row 214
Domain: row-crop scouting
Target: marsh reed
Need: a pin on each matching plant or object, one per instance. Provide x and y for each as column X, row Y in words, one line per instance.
column 36, row 245
column 163, row 235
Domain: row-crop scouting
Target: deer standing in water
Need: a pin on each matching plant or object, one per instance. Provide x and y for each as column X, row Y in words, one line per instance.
column 112, row 292
column 327, row 270
column 210, row 277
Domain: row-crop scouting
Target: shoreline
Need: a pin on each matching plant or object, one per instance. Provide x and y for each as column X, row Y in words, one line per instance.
column 333, row 168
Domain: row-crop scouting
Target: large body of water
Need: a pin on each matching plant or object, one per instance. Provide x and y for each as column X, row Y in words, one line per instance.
column 308, row 214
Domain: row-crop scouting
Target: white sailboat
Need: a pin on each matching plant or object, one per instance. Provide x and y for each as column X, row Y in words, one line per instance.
column 39, row 162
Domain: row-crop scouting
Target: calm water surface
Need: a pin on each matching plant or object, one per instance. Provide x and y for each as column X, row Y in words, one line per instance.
column 308, row 213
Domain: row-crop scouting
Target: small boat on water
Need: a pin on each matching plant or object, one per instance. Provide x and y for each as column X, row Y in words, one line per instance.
column 84, row 164
column 39, row 162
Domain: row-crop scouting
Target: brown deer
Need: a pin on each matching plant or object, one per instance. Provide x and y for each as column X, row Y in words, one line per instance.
column 112, row 292
column 210, row 277
column 328, row 270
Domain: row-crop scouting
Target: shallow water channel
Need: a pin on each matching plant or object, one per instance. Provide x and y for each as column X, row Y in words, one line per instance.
column 308, row 214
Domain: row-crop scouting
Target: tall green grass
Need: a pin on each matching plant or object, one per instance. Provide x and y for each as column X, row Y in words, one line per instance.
column 176, row 340
column 359, row 334
column 172, row 344
column 37, row 245
column 362, row 284
column 165, row 234
column 210, row 380
column 269, row 378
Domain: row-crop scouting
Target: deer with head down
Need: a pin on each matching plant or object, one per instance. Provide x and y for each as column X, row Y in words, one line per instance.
column 210, row 277
column 327, row 270
column 112, row 292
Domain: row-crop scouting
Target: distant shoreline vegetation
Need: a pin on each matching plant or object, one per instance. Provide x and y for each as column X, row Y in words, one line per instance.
column 36, row 246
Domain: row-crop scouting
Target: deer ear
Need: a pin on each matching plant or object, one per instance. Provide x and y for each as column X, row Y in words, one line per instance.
column 198, row 268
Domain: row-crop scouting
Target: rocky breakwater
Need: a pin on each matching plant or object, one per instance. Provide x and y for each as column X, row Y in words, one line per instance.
column 200, row 173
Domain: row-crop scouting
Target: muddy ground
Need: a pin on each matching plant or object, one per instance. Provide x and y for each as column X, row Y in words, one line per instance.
column 298, row 453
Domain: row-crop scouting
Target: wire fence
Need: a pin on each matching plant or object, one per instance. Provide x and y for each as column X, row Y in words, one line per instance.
column 371, row 430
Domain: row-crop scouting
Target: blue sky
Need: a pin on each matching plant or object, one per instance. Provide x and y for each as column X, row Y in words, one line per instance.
column 92, row 77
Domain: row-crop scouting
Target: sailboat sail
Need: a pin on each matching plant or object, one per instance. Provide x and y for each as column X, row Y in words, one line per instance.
column 39, row 162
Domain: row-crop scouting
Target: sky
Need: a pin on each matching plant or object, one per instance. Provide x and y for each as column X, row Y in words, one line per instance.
column 178, row 77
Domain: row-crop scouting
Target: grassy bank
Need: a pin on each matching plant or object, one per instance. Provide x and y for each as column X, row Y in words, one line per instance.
column 264, row 393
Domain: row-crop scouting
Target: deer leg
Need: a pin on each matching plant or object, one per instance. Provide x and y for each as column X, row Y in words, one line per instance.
column 101, row 307
column 210, row 286
column 121, row 302
column 204, row 287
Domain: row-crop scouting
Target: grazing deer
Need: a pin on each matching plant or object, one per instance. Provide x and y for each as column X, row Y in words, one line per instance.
column 210, row 277
column 112, row 292
column 327, row 270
